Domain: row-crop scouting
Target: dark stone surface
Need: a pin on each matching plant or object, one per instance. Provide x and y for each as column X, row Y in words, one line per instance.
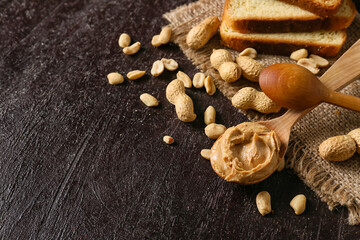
column 80, row 159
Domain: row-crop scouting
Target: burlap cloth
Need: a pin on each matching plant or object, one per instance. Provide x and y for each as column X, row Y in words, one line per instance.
column 336, row 183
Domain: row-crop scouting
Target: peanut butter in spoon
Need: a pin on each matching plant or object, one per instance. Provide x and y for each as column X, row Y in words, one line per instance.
column 246, row 154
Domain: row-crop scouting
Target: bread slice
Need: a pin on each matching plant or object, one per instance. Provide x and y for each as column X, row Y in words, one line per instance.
column 272, row 16
column 323, row 8
column 323, row 43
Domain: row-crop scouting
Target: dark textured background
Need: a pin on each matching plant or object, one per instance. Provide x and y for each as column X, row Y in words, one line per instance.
column 81, row 159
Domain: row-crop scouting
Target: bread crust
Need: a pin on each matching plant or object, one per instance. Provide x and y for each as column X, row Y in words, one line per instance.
column 277, row 46
column 277, row 25
column 313, row 6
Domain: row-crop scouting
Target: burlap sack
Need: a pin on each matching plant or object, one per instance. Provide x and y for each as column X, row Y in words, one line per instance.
column 336, row 183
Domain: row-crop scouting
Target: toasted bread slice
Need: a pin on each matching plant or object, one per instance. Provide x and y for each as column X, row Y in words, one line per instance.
column 272, row 16
column 323, row 43
column 323, row 8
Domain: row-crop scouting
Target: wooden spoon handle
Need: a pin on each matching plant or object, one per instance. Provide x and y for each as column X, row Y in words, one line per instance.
column 345, row 70
column 343, row 100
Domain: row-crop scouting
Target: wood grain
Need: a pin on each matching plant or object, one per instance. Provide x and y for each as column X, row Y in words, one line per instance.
column 81, row 159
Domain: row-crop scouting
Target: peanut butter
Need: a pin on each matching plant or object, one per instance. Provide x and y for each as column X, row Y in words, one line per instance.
column 247, row 153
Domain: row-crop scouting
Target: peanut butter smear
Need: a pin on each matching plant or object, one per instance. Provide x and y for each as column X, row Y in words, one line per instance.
column 247, row 153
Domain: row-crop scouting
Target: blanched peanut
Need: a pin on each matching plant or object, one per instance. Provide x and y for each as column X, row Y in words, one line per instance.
column 339, row 148
column 165, row 35
column 309, row 64
column 209, row 85
column 157, row 68
column 281, row 165
column 355, row 134
column 229, row 71
column 170, row 64
column 250, row 68
column 149, row 100
column 250, row 52
column 163, row 38
column 220, row 56
column 320, row 62
column 209, row 115
column 205, row 153
column 115, row 78
column 214, row 131
column 298, row 203
column 124, row 40
column 133, row 75
column 156, row 41
column 132, row 49
column 168, row 140
column 175, row 93
column 198, row 80
column 263, row 202
column 299, row 54
column 184, row 78
column 250, row 98
column 202, row 33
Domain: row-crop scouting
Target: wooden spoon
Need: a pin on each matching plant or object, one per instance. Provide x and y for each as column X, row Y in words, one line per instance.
column 343, row 72
column 292, row 86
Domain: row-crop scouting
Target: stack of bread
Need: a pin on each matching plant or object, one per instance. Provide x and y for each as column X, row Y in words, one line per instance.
column 283, row 26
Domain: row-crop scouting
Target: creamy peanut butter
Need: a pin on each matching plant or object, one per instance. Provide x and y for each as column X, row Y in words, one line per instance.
column 247, row 153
